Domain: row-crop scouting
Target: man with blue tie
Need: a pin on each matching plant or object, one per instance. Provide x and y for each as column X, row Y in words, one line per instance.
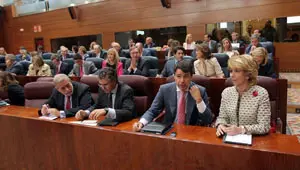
column 171, row 63
column 184, row 101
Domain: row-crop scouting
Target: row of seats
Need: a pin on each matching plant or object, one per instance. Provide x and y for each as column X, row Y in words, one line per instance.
column 36, row 93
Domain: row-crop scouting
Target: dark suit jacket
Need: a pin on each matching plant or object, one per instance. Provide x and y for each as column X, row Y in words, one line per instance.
column 267, row 70
column 248, row 49
column 64, row 69
column 142, row 68
column 81, row 99
column 150, row 46
column 213, row 46
column 146, row 52
column 124, row 102
column 88, row 66
column 16, row 95
column 67, row 56
column 168, row 68
column 103, row 54
column 16, row 68
column 166, row 98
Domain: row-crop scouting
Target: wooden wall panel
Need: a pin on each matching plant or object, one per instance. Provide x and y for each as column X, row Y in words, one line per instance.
column 120, row 15
column 289, row 56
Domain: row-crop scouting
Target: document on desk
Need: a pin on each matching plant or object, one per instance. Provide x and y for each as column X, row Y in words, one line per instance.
column 48, row 117
column 85, row 122
column 243, row 139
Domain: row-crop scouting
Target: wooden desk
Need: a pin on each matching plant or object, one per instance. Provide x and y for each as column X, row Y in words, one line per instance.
column 30, row 143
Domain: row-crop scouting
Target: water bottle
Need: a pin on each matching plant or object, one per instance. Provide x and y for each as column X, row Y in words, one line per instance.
column 278, row 125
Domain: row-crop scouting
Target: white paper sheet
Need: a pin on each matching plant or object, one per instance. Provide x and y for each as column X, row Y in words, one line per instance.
column 239, row 139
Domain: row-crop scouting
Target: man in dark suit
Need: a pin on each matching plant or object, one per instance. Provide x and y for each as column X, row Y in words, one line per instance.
column 98, row 52
column 254, row 43
column 12, row 65
column 60, row 67
column 67, row 98
column 212, row 44
column 171, row 63
column 136, row 65
column 149, row 43
column 64, row 53
column 184, row 101
column 115, row 100
column 143, row 51
column 82, row 67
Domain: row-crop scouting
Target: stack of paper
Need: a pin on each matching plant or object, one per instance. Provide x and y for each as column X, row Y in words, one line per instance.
column 86, row 122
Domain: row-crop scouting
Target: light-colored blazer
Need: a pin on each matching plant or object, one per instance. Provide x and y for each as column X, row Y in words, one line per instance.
column 208, row 68
column 191, row 47
column 88, row 68
column 254, row 109
column 43, row 71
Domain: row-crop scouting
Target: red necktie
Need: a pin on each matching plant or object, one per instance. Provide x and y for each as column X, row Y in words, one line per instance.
column 68, row 103
column 81, row 71
column 181, row 108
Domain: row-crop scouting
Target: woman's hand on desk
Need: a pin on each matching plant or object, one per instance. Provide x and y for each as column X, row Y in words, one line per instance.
column 137, row 126
column 221, row 130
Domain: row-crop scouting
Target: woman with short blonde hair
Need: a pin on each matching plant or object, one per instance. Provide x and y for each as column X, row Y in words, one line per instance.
column 245, row 107
column 113, row 61
column 266, row 66
column 38, row 67
column 189, row 44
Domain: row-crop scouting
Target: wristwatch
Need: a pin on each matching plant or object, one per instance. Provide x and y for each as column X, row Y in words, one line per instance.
column 106, row 110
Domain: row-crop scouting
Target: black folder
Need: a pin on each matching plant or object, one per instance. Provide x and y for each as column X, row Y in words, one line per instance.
column 157, row 128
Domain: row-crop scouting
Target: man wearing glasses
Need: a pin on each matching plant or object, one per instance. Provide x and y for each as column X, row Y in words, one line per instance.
column 67, row 98
column 136, row 65
column 115, row 100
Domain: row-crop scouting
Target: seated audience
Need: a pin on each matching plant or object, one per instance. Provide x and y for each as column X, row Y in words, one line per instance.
column 254, row 44
column 136, row 65
column 113, row 61
column 143, row 52
column 74, row 49
column 64, row 53
column 60, row 67
column 38, row 67
column 149, row 43
column 12, row 65
column 117, row 46
column 165, row 47
column 236, row 38
column 82, row 67
column 67, row 98
column 266, row 66
column 227, row 48
column 245, row 107
column 9, row 84
column 171, row 63
column 98, row 52
column 131, row 43
column 115, row 100
column 82, row 51
column 189, row 44
column 24, row 55
column 184, row 101
column 206, row 64
column 2, row 51
column 169, row 51
column 93, row 43
column 258, row 33
column 212, row 44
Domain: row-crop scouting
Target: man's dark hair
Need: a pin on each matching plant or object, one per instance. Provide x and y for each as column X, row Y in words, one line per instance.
column 75, row 47
column 186, row 66
column 179, row 48
column 108, row 73
column 77, row 57
column 209, row 36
